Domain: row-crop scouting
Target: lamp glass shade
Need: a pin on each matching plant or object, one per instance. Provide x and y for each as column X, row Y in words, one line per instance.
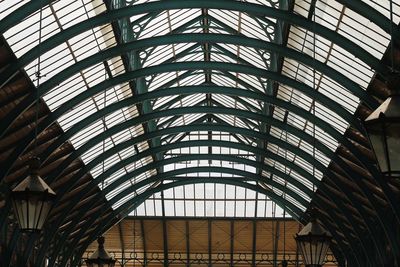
column 100, row 258
column 383, row 128
column 313, row 242
column 32, row 200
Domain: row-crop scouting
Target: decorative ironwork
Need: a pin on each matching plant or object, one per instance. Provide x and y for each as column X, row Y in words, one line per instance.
column 223, row 259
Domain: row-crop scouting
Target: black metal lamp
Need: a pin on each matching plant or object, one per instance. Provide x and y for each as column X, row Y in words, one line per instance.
column 383, row 124
column 100, row 258
column 383, row 129
column 32, row 200
column 313, row 242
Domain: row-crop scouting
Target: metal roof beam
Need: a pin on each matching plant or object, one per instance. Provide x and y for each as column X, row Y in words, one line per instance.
column 103, row 55
column 133, row 100
column 247, row 140
column 180, row 55
column 181, row 66
column 250, row 176
column 250, row 115
column 356, row 5
column 250, row 124
column 247, row 105
column 276, row 63
column 167, row 123
column 165, row 140
column 204, row 120
column 123, row 34
column 75, row 129
column 175, row 80
column 289, row 17
column 200, row 127
column 132, row 61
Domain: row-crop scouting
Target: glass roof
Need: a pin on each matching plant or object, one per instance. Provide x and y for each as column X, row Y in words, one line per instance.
column 129, row 157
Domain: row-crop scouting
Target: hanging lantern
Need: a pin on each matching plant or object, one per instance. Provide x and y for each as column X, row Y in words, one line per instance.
column 313, row 242
column 383, row 129
column 100, row 258
column 32, row 200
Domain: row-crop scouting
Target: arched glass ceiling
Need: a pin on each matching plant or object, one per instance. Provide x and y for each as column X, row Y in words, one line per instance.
column 210, row 200
column 215, row 103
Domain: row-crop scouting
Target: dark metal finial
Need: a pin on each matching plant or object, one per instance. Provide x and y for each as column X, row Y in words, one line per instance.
column 313, row 214
column 34, row 165
column 100, row 241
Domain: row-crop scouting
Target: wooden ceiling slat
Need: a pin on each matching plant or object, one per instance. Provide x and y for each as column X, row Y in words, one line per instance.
column 176, row 236
column 198, row 229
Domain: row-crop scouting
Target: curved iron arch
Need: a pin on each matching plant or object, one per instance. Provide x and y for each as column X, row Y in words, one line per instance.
column 248, row 148
column 184, row 91
column 105, row 54
column 185, row 110
column 259, row 10
column 143, row 118
column 139, row 98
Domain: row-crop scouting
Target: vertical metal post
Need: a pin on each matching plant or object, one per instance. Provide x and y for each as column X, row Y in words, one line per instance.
column 165, row 235
column 187, row 234
column 276, row 243
column 209, row 243
column 232, row 242
column 144, row 243
column 121, row 240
